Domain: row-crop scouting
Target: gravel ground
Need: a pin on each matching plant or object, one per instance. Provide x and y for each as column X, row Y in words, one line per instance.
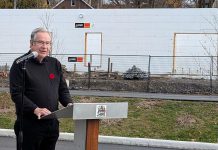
column 154, row 85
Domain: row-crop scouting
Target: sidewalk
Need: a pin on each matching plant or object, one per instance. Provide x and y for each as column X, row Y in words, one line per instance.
column 135, row 143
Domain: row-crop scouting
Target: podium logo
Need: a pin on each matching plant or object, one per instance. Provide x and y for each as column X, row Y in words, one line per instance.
column 101, row 111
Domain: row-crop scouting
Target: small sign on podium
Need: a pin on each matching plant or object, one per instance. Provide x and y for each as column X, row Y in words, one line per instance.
column 101, row 111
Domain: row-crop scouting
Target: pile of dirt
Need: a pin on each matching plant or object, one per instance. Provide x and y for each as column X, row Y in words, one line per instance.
column 148, row 104
column 187, row 120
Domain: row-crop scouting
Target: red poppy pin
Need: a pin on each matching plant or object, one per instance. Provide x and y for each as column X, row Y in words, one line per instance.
column 51, row 76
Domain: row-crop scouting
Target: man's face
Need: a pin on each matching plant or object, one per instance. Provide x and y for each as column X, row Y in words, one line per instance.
column 41, row 44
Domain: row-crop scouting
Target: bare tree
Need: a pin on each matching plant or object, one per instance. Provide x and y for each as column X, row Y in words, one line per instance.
column 47, row 20
column 6, row 4
column 95, row 3
column 214, row 42
column 204, row 3
column 157, row 3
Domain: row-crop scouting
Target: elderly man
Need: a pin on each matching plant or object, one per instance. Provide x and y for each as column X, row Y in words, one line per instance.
column 45, row 87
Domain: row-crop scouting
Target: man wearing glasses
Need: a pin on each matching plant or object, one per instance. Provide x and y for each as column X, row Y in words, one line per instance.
column 45, row 87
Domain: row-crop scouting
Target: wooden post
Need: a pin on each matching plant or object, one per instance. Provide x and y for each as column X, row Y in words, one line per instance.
column 89, row 74
column 108, row 68
column 174, row 53
column 111, row 67
column 92, row 130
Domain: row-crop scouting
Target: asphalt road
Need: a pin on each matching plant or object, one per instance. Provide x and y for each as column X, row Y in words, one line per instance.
column 212, row 98
column 163, row 96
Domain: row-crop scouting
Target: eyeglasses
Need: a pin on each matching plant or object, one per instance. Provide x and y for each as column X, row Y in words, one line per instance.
column 47, row 43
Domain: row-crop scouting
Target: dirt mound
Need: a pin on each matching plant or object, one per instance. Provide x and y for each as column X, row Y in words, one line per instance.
column 187, row 120
column 148, row 104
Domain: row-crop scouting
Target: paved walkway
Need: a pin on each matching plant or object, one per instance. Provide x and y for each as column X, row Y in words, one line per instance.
column 66, row 142
column 8, row 143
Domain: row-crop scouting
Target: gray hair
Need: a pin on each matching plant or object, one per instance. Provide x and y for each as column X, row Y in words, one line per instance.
column 35, row 31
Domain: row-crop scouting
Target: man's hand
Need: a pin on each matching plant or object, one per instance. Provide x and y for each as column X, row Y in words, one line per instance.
column 69, row 104
column 39, row 112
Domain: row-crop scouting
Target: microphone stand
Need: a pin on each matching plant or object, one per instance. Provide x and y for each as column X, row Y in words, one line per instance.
column 20, row 135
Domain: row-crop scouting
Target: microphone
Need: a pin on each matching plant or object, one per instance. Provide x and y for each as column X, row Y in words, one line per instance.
column 26, row 57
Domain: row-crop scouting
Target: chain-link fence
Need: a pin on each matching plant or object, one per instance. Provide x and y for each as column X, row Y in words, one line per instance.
column 144, row 73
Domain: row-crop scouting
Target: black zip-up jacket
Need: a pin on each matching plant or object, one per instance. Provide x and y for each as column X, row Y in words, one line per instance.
column 45, row 86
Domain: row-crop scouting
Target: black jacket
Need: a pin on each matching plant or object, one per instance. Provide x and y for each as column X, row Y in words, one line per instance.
column 45, row 86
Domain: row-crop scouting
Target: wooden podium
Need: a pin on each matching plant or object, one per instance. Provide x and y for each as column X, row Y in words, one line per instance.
column 87, row 116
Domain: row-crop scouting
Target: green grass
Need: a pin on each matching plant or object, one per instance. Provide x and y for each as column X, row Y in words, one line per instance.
column 159, row 119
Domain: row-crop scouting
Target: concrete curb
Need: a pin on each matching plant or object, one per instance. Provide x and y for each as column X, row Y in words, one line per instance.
column 143, row 142
column 7, row 133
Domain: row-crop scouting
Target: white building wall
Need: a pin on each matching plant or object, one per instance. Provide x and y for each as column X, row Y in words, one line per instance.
column 124, row 31
column 129, row 31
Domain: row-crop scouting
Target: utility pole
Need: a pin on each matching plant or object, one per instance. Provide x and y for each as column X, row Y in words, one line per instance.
column 15, row 4
column 99, row 5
